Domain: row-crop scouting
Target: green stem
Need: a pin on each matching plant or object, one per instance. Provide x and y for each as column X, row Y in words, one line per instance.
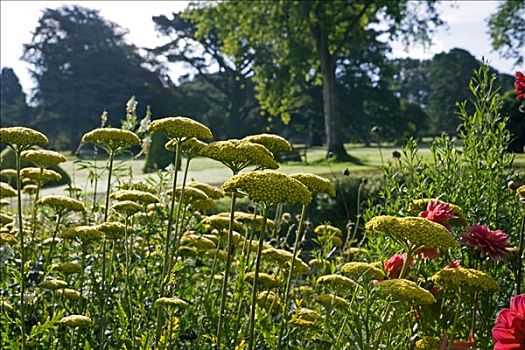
column 167, row 246
column 179, row 209
column 22, row 248
column 226, row 271
column 50, row 253
column 520, row 254
column 256, row 280
column 33, row 216
column 298, row 237
column 128, row 290
column 103, row 297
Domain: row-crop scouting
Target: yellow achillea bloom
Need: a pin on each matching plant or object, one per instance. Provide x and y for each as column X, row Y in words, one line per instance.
column 180, row 128
column 6, row 190
column 7, row 238
column 521, row 192
column 252, row 220
column 315, row 183
column 111, row 137
column 5, row 305
column 211, row 191
column 58, row 202
column 135, row 196
column 190, row 148
column 238, row 154
column 219, row 254
column 405, row 290
column 265, row 280
column 127, row 208
column 76, row 321
column 354, row 252
column 320, row 264
column 269, row 188
column 301, row 323
column 68, row 268
column 336, row 281
column 222, row 223
column 38, row 174
column 169, row 302
column 307, row 314
column 417, row 231
column 187, row 251
column 331, row 300
column 360, row 270
column 29, row 189
column 20, row 137
column 419, row 205
column 9, row 173
column 328, row 229
column 81, row 232
column 43, row 158
column 68, row 293
column 468, row 279
column 303, row 290
column 204, row 205
column 284, row 258
column 6, row 219
column 269, row 301
column 191, row 194
column 273, row 143
column 197, row 241
column 236, row 237
column 113, row 230
column 52, row 284
column 428, row 343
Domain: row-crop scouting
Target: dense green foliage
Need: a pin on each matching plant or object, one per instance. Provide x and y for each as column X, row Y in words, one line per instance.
column 507, row 30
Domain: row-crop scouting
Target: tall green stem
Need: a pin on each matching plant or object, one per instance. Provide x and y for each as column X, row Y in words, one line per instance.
column 50, row 253
column 22, row 248
column 179, row 209
column 226, row 271
column 298, row 237
column 103, row 282
column 127, row 246
column 256, row 280
column 33, row 216
column 520, row 254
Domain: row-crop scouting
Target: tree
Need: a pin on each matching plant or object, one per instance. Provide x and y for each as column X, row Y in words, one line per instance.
column 507, row 30
column 83, row 65
column 298, row 41
column 13, row 106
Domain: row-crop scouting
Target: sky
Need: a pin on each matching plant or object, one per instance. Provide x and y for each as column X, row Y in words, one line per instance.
column 466, row 28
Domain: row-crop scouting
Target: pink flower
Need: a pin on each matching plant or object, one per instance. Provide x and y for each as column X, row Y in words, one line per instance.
column 438, row 212
column 394, row 265
column 490, row 243
column 509, row 331
column 519, row 85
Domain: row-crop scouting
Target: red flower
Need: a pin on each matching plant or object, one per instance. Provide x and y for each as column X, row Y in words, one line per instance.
column 454, row 264
column 490, row 243
column 519, row 85
column 509, row 331
column 464, row 344
column 394, row 265
column 439, row 212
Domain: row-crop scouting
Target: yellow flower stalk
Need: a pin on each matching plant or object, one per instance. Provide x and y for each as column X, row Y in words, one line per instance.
column 331, row 300
column 6, row 190
column 76, row 321
column 68, row 293
column 68, row 268
column 404, row 290
column 211, row 191
column 428, row 343
column 360, row 270
column 180, row 128
column 266, row 280
column 59, row 203
column 43, row 158
column 135, row 196
column 469, row 280
column 170, row 302
column 336, row 281
column 315, row 183
column 22, row 138
column 127, row 208
column 52, row 284
column 274, row 143
column 113, row 230
column 111, row 138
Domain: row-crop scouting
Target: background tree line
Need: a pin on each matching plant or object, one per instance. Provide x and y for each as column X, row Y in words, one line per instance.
column 316, row 72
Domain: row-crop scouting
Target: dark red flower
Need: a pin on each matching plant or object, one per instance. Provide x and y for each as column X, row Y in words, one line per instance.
column 519, row 85
column 438, row 211
column 490, row 243
column 394, row 265
column 509, row 331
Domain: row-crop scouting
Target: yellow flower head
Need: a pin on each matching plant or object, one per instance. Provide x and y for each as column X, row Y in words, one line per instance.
column 191, row 194
column 180, row 128
column 355, row 252
column 269, row 188
column 315, row 183
column 360, row 270
column 204, row 205
column 428, row 343
column 283, row 258
column 9, row 173
column 37, row 174
column 417, row 231
column 5, row 305
column 238, row 154
column 303, row 290
column 6, row 190
column 269, row 301
column 464, row 278
column 320, row 264
column 7, row 238
column 190, row 148
column 52, row 284
column 328, row 229
column 336, row 281
column 265, row 280
column 20, row 138
column 68, row 268
column 76, row 321
column 59, row 203
column 29, row 189
column 111, row 138
column 521, row 192
column 84, row 233
column 197, row 241
column 211, row 191
column 404, row 290
column 308, row 314
column 330, row 300
column 273, row 143
column 170, row 302
column 135, row 196
column 6, row 219
column 127, row 208
column 43, row 158
column 113, row 230
column 251, row 220
column 222, row 223
column 68, row 293
column 301, row 323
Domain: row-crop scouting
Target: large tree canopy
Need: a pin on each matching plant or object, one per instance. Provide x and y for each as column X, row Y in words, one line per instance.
column 13, row 106
column 307, row 41
column 83, row 65
column 507, row 30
